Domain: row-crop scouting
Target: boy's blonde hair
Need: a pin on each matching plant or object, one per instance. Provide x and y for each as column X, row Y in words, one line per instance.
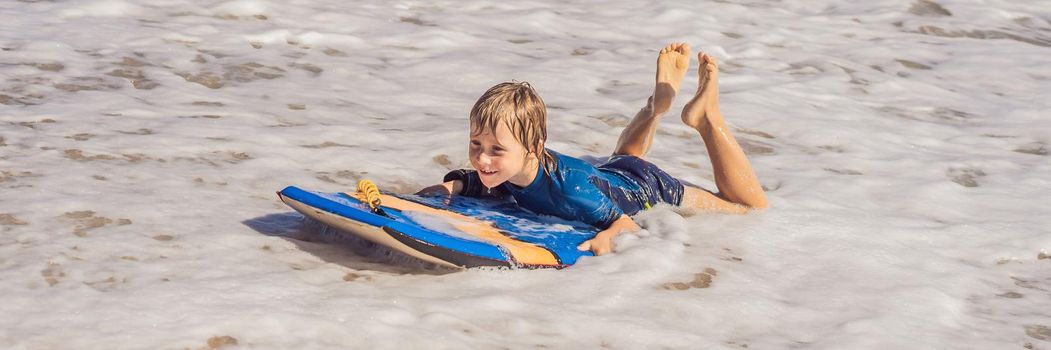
column 518, row 106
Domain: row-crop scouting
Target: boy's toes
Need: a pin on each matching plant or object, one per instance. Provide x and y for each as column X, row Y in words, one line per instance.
column 706, row 60
column 681, row 48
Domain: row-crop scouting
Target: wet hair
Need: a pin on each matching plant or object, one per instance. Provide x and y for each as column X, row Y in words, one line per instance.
column 518, row 106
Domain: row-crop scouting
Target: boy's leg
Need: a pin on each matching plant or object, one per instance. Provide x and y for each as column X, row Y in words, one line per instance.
column 733, row 173
column 637, row 137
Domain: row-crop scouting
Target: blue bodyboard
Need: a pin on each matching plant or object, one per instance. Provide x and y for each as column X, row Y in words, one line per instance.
column 450, row 230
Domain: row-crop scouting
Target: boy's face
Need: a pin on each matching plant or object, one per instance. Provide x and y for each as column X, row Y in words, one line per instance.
column 499, row 158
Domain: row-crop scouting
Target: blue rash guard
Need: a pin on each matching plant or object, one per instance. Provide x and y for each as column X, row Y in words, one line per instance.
column 576, row 190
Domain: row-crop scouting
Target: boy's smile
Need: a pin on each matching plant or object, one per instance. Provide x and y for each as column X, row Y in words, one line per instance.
column 501, row 158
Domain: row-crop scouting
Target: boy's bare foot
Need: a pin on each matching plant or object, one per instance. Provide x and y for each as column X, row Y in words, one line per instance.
column 705, row 104
column 672, row 63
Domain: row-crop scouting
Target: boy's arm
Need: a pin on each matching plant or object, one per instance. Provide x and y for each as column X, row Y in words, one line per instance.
column 602, row 243
column 465, row 183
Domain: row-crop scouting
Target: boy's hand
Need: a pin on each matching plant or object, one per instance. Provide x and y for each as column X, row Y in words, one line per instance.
column 603, row 241
column 444, row 189
column 599, row 245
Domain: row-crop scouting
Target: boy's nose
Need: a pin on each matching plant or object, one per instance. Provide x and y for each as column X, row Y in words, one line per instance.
column 483, row 159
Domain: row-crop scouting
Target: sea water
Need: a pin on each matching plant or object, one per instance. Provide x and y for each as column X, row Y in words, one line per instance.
column 903, row 146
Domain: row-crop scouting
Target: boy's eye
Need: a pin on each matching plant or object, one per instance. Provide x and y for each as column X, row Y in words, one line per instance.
column 475, row 143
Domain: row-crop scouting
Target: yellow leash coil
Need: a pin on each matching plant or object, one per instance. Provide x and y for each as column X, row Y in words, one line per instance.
column 370, row 194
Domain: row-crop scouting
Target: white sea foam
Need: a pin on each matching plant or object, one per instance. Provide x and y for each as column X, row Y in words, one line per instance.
column 242, row 8
column 107, row 8
column 904, row 145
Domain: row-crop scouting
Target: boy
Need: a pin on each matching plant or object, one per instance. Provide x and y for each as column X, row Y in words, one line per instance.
column 508, row 130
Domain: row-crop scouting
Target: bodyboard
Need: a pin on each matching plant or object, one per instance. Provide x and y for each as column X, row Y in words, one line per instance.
column 453, row 231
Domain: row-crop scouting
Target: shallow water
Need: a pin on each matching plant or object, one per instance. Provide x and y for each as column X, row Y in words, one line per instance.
column 903, row 145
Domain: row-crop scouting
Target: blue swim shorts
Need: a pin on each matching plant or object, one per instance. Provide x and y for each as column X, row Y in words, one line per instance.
column 654, row 185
